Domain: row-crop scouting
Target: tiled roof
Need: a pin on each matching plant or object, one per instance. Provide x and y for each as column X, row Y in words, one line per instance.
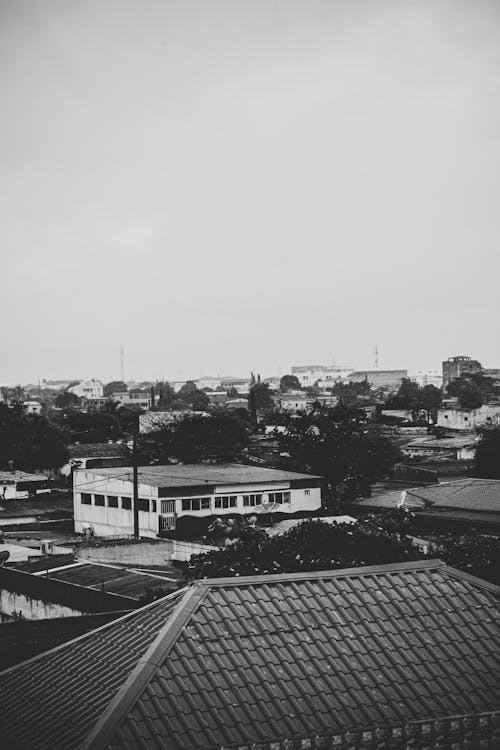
column 188, row 475
column 52, row 702
column 473, row 494
column 371, row 652
column 274, row 658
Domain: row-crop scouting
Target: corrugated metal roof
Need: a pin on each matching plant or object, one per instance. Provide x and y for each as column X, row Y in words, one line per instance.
column 464, row 494
column 297, row 656
column 52, row 702
column 195, row 474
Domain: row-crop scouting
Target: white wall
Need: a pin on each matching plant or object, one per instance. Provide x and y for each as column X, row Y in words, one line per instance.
column 108, row 521
column 458, row 419
column 12, row 604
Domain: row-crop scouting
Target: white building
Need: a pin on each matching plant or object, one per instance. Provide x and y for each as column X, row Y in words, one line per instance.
column 427, row 377
column 308, row 375
column 141, row 399
column 460, row 419
column 103, row 497
column 91, row 388
column 32, row 407
column 19, row 485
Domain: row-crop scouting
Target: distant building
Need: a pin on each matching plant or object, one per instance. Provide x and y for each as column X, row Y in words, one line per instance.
column 461, row 419
column 17, row 485
column 88, row 389
column 386, row 379
column 292, row 402
column 308, row 375
column 460, row 448
column 139, row 398
column 458, row 367
column 427, row 377
column 32, row 407
column 103, row 497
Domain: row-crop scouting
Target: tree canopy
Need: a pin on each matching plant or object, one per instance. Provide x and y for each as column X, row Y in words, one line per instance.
column 487, row 458
column 415, row 398
column 115, row 386
column 467, row 391
column 336, row 444
column 216, row 438
column 309, row 546
column 349, row 394
column 289, row 383
column 260, row 401
column 66, row 400
column 31, row 441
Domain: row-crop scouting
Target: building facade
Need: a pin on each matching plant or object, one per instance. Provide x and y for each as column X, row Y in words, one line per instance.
column 103, row 498
column 91, row 388
column 460, row 419
column 308, row 375
column 458, row 367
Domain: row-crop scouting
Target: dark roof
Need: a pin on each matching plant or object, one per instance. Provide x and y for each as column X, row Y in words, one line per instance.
column 52, row 701
column 44, row 504
column 481, row 495
column 243, row 662
column 97, row 450
column 112, row 579
column 189, row 475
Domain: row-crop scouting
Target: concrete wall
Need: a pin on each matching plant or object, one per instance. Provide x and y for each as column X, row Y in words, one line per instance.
column 13, row 604
column 145, row 554
column 459, row 419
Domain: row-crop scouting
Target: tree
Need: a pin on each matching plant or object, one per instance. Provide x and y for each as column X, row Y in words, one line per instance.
column 232, row 392
column 115, row 386
column 67, row 400
column 217, row 438
column 289, row 383
column 335, row 444
column 166, row 396
column 350, row 393
column 260, row 400
column 468, row 393
column 473, row 552
column 32, row 442
column 487, row 458
column 408, row 396
column 309, row 546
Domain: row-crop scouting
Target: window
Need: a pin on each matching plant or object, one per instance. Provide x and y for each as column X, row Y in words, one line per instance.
column 99, row 500
column 279, row 497
column 168, row 506
column 307, row 492
column 86, row 498
column 252, row 500
column 226, row 502
column 196, row 503
column 153, row 506
column 126, row 503
column 112, row 501
column 143, row 504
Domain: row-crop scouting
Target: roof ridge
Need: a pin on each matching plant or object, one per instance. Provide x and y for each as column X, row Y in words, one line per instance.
column 132, row 688
column 318, row 574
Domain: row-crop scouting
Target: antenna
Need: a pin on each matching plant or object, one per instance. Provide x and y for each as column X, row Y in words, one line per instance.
column 122, row 362
column 375, row 356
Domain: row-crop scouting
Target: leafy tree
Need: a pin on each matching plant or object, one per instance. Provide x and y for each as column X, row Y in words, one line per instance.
column 289, row 383
column 260, row 401
column 335, row 444
column 468, row 393
column 408, row 396
column 487, row 458
column 166, row 396
column 232, row 392
column 473, row 552
column 115, row 386
column 191, row 397
column 32, row 442
column 67, row 400
column 350, row 393
column 217, row 438
column 310, row 546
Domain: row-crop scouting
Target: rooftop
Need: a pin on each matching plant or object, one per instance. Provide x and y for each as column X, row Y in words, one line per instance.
column 13, row 477
column 97, row 450
column 188, row 475
column 365, row 653
column 465, row 494
column 113, row 579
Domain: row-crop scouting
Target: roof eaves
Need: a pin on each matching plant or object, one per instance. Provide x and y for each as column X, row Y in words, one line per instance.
column 315, row 575
column 478, row 582
column 131, row 689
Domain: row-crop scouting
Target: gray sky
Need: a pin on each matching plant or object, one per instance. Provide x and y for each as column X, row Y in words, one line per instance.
column 226, row 185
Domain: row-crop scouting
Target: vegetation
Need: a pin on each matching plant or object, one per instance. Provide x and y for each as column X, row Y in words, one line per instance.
column 217, row 438
column 338, row 445
column 31, row 442
column 309, row 546
column 349, row 394
column 289, row 383
column 487, row 459
column 260, row 401
column 189, row 397
column 115, row 386
column 415, row 398
column 66, row 400
column 468, row 393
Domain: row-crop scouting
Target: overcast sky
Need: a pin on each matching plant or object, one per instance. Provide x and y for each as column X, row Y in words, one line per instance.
column 226, row 186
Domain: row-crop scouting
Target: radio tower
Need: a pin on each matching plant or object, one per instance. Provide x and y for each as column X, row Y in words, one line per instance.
column 122, row 361
column 375, row 356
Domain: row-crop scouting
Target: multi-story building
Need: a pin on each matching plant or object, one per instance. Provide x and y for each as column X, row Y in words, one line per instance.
column 308, row 375
column 141, row 399
column 91, row 388
column 103, row 498
column 458, row 367
column 386, row 379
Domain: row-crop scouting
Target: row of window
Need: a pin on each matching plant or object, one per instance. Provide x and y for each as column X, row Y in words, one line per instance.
column 113, row 501
column 231, row 501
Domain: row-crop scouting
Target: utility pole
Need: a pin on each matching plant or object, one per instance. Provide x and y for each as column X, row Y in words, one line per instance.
column 135, row 501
